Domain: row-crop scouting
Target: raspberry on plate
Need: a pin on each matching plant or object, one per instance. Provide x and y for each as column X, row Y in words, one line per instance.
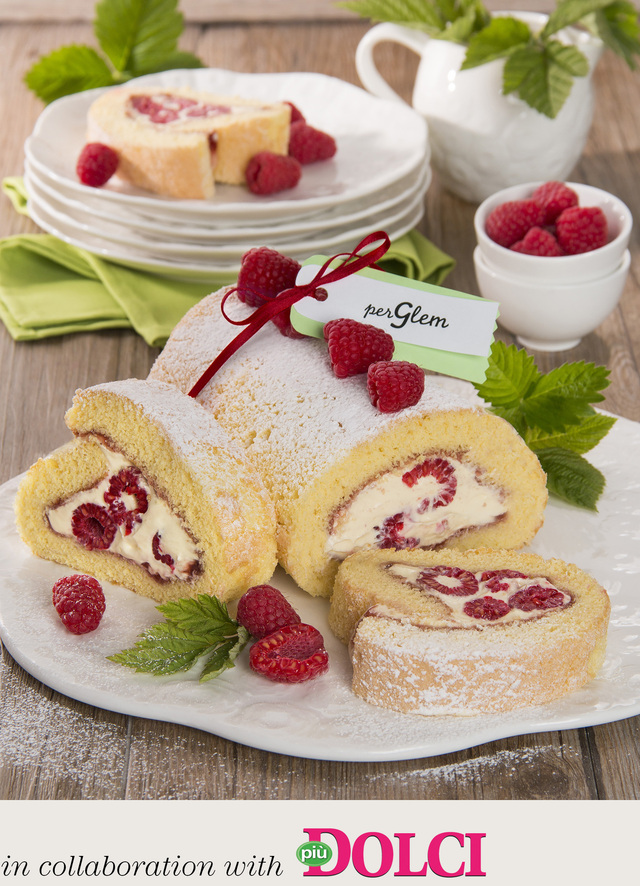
column 296, row 113
column 395, row 384
column 509, row 222
column 96, row 164
column 354, row 346
column 79, row 601
column 269, row 173
column 538, row 241
column 292, row 654
column 263, row 609
column 554, row 197
column 309, row 145
column 581, row 229
column 264, row 273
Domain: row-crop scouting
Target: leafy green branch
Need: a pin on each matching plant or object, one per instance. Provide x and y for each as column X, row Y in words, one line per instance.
column 135, row 37
column 538, row 66
column 552, row 412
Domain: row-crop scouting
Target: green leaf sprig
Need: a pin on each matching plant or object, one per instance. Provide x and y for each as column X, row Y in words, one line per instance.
column 136, row 37
column 552, row 412
column 194, row 629
column 538, row 67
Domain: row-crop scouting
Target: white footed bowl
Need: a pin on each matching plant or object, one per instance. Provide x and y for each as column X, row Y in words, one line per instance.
column 549, row 316
column 564, row 269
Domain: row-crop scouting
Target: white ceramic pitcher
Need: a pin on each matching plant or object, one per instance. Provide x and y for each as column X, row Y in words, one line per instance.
column 483, row 141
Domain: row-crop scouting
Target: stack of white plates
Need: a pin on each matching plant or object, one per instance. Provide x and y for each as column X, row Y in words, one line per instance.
column 376, row 181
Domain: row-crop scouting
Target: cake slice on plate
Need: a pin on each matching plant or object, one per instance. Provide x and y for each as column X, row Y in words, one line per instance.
column 480, row 631
column 150, row 494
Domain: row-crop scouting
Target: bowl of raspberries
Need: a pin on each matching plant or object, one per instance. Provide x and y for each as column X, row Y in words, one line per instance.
column 554, row 255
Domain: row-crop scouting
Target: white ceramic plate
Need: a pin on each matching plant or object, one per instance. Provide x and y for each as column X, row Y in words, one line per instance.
column 185, row 264
column 94, row 211
column 323, row 719
column 175, row 250
column 379, row 142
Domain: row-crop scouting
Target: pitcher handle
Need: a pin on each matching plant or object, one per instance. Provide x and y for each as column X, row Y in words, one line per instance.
column 385, row 32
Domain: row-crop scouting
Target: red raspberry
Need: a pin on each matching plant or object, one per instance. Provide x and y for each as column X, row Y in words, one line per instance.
column 296, row 113
column 283, row 323
column 93, row 526
column 156, row 547
column 264, row 273
column 457, row 582
column 581, row 229
column 354, row 346
column 390, row 534
column 263, row 609
column 126, row 482
column 554, row 197
column 486, row 608
column 309, row 145
column 496, row 580
column 292, row 654
column 79, row 601
column 269, row 173
column 536, row 597
column 96, row 164
column 394, row 384
column 538, row 241
column 443, row 472
column 510, row 221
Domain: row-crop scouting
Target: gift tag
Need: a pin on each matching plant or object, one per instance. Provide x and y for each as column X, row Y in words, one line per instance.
column 440, row 329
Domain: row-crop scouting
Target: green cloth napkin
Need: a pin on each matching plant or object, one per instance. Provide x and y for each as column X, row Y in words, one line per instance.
column 49, row 287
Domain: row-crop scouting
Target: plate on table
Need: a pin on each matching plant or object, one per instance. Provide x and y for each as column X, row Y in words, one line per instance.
column 323, row 719
column 379, row 143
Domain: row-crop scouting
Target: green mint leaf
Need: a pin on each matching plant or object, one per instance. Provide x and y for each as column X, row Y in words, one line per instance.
column 411, row 13
column 136, row 35
column 569, row 12
column 175, row 61
column 498, row 40
column 224, row 656
column 162, row 650
column 68, row 70
column 510, row 375
column 618, row 27
column 572, row 478
column 539, row 76
column 200, row 615
column 578, row 438
column 193, row 628
column 561, row 397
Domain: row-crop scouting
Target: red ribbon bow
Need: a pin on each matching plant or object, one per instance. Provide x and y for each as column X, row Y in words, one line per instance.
column 353, row 262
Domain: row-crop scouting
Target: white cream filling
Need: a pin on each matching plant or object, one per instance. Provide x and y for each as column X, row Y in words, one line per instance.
column 457, row 617
column 138, row 545
column 358, row 526
column 186, row 113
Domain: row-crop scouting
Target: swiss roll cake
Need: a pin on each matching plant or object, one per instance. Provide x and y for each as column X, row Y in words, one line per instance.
column 179, row 142
column 343, row 476
column 150, row 494
column 462, row 633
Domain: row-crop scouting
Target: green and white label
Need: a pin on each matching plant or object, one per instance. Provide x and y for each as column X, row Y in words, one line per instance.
column 439, row 329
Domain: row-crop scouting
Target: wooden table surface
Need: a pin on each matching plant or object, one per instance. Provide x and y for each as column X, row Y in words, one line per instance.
column 52, row 747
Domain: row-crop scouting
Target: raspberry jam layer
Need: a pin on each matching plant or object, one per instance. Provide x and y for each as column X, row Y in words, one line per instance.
column 498, row 596
column 123, row 514
column 419, row 505
column 165, row 108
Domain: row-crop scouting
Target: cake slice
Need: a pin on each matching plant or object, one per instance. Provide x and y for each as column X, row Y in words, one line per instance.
column 483, row 631
column 150, row 494
column 343, row 476
column 178, row 142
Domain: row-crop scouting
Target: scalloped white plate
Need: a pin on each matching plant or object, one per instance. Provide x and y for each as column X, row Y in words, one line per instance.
column 323, row 719
column 379, row 143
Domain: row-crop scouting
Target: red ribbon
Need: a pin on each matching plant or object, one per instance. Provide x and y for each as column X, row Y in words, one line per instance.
column 353, row 262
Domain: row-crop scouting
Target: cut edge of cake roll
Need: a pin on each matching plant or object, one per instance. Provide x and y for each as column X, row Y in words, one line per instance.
column 183, row 156
column 151, row 494
column 344, row 476
column 464, row 633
